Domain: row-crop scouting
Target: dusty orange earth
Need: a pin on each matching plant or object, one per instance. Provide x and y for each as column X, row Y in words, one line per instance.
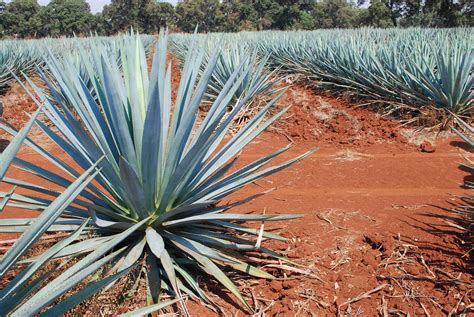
column 375, row 238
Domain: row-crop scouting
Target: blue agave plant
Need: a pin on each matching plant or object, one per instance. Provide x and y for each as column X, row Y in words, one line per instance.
column 159, row 177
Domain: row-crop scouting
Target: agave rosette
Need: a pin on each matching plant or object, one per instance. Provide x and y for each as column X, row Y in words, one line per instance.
column 159, row 176
column 259, row 81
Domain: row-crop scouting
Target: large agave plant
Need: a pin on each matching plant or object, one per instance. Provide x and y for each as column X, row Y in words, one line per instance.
column 159, row 174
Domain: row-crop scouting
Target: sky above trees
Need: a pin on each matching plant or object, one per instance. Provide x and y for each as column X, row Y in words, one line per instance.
column 30, row 19
column 96, row 5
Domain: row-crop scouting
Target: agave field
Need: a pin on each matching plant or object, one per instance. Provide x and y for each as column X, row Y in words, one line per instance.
column 24, row 56
column 421, row 67
column 136, row 188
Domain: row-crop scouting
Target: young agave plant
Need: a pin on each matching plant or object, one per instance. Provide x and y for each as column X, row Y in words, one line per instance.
column 258, row 81
column 159, row 176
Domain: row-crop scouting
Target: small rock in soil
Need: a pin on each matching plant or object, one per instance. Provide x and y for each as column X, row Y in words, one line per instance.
column 290, row 284
column 276, row 286
column 427, row 147
column 276, row 308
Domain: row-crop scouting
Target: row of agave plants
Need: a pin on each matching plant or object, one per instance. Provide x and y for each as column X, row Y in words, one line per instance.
column 16, row 57
column 419, row 67
column 22, row 56
column 140, row 183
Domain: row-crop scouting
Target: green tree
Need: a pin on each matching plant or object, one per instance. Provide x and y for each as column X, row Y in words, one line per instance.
column 305, row 22
column 65, row 17
column 335, row 14
column 379, row 15
column 266, row 13
column 25, row 18
column 449, row 12
column 429, row 13
column 158, row 15
column 230, row 16
column 101, row 25
column 321, row 20
column 17, row 18
column 121, row 15
column 145, row 16
column 306, row 19
column 287, row 15
column 6, row 22
column 248, row 16
column 257, row 15
column 202, row 13
column 467, row 18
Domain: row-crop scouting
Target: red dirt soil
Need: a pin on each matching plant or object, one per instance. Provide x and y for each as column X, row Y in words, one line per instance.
column 330, row 120
column 17, row 104
column 374, row 239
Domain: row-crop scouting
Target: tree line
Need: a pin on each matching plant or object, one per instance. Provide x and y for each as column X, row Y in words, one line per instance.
column 28, row 19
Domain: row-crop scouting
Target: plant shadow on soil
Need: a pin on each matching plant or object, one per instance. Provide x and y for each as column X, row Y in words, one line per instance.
column 3, row 145
column 455, row 227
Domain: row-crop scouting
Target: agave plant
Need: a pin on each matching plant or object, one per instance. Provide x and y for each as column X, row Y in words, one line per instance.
column 259, row 81
column 159, row 175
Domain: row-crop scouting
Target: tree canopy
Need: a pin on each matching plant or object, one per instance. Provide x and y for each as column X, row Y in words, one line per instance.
column 28, row 19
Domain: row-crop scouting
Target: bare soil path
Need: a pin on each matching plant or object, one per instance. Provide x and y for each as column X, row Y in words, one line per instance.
column 371, row 216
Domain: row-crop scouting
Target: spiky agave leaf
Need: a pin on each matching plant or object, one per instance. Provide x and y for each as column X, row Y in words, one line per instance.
column 156, row 199
column 464, row 205
column 18, row 289
column 465, row 136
